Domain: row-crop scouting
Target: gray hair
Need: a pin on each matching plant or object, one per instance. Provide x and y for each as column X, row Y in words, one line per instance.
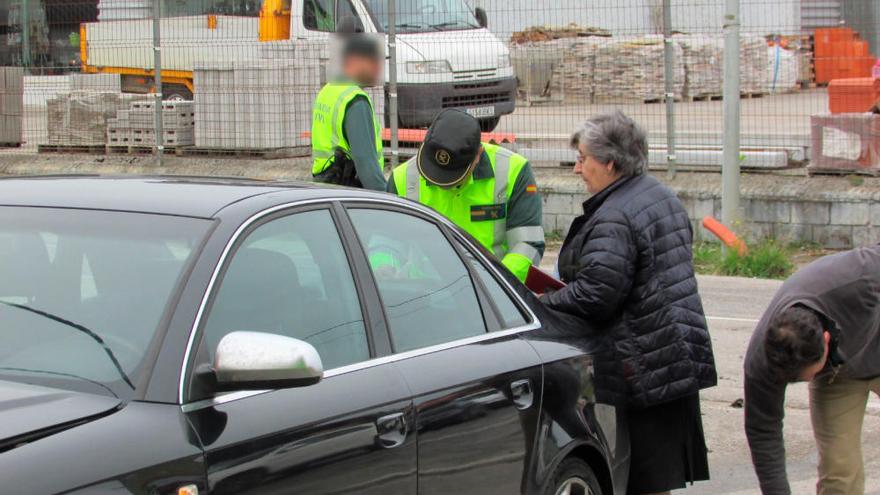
column 614, row 138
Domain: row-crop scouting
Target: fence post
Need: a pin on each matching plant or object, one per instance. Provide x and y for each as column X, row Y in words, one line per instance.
column 730, row 164
column 392, row 82
column 669, row 76
column 157, row 80
column 25, row 18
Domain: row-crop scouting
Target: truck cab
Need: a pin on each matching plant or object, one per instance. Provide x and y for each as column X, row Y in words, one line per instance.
column 446, row 56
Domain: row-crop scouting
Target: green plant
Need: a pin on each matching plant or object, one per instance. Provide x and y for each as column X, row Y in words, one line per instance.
column 765, row 259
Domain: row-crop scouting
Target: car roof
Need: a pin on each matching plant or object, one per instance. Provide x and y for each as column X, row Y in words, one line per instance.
column 168, row 195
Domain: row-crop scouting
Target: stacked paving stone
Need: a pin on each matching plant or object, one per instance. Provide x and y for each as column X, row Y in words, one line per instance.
column 136, row 126
column 79, row 118
column 11, row 105
column 574, row 76
column 264, row 103
column 703, row 58
column 631, row 69
column 753, row 60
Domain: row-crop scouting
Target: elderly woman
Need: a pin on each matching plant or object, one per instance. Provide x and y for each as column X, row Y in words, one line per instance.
column 628, row 266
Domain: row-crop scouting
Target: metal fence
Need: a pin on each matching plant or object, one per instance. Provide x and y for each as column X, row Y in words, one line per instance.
column 240, row 75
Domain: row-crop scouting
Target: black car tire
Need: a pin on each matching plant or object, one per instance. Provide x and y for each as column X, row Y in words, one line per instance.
column 573, row 477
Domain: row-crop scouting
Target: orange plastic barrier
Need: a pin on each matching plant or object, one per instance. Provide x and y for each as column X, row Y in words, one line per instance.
column 725, row 235
column 418, row 135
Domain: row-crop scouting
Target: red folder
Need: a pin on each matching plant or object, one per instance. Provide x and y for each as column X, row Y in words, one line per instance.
column 540, row 282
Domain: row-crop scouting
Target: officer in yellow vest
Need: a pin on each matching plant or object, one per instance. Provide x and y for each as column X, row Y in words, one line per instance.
column 485, row 189
column 346, row 137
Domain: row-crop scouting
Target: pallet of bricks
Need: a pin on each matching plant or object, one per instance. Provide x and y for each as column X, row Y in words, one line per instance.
column 847, row 143
column 11, row 108
column 77, row 121
column 134, row 129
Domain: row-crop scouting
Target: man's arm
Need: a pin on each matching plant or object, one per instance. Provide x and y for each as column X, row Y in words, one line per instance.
column 764, row 412
column 525, row 233
column 360, row 131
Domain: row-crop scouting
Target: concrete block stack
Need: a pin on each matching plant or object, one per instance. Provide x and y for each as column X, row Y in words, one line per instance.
column 135, row 126
column 703, row 63
column 753, row 60
column 265, row 103
column 631, row 70
column 11, row 105
column 96, row 82
column 80, row 118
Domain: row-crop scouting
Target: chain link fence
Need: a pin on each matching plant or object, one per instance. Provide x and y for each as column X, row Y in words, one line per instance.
column 240, row 76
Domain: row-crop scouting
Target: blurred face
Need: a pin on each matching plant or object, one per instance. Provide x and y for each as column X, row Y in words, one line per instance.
column 596, row 176
column 364, row 71
column 811, row 371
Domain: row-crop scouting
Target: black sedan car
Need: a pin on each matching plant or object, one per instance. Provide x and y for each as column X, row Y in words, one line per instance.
column 184, row 336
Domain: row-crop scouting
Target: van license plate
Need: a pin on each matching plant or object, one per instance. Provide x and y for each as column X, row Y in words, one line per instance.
column 481, row 112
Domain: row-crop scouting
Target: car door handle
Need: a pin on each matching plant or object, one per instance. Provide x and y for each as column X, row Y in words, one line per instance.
column 391, row 430
column 521, row 394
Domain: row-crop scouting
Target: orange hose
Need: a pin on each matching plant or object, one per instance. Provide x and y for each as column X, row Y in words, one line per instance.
column 725, row 235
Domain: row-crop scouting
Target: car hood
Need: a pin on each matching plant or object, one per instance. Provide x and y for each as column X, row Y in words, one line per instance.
column 28, row 412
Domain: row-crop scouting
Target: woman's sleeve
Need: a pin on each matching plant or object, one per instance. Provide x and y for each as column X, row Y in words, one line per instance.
column 607, row 266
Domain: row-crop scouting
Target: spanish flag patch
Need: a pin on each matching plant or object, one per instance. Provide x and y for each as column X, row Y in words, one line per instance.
column 531, row 189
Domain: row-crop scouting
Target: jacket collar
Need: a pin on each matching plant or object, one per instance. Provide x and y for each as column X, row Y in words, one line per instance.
column 595, row 201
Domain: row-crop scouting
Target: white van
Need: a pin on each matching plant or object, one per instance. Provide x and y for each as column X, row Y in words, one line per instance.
column 446, row 57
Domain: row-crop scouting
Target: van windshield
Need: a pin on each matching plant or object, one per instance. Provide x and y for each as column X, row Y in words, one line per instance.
column 423, row 16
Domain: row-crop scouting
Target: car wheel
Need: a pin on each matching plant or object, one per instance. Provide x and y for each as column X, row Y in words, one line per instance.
column 573, row 477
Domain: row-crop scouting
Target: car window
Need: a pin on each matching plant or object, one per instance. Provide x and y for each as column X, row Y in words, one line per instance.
column 427, row 290
column 291, row 277
column 319, row 15
column 82, row 293
column 509, row 312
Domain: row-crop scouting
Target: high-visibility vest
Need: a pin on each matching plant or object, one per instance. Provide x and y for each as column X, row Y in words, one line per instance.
column 480, row 207
column 328, row 117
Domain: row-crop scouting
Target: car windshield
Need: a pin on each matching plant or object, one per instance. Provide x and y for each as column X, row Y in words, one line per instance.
column 82, row 293
column 423, row 16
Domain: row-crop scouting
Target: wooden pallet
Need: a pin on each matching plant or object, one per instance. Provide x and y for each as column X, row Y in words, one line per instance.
column 141, row 150
column 868, row 172
column 10, row 145
column 268, row 154
column 95, row 149
column 703, row 98
column 748, row 96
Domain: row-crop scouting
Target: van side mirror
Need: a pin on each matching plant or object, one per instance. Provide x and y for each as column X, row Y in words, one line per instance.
column 482, row 17
column 261, row 361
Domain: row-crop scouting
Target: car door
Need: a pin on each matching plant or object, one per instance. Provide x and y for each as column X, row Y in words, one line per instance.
column 475, row 383
column 291, row 274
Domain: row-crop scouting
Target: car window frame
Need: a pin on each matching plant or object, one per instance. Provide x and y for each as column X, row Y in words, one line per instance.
column 339, row 204
column 197, row 357
column 492, row 320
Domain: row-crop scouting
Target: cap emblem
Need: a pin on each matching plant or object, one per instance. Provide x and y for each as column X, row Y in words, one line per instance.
column 442, row 157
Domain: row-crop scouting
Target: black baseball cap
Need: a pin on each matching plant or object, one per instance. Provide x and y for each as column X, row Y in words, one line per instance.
column 361, row 45
column 450, row 147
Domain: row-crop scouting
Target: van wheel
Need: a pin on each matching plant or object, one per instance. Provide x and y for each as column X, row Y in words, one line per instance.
column 573, row 477
column 489, row 125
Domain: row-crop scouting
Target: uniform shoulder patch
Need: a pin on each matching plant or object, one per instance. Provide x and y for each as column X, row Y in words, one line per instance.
column 531, row 188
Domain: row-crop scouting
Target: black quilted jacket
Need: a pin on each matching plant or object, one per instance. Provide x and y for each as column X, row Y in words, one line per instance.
column 629, row 268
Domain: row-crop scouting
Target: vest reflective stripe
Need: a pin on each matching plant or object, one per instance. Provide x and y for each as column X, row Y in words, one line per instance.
column 413, row 180
column 528, row 251
column 502, row 170
column 525, row 234
column 328, row 117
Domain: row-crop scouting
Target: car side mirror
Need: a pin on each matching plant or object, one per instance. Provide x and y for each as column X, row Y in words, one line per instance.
column 261, row 361
column 482, row 17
